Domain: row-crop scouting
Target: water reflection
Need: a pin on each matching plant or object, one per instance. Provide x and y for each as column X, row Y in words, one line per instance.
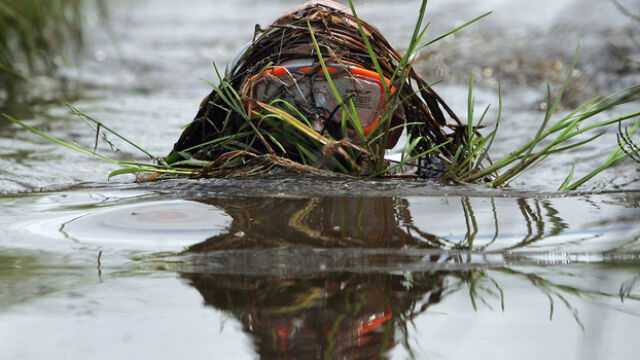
column 377, row 222
column 322, row 314
column 346, row 315
column 540, row 218
column 327, row 222
column 338, row 315
column 343, row 277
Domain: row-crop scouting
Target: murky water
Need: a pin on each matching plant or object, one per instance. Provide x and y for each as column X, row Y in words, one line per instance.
column 313, row 267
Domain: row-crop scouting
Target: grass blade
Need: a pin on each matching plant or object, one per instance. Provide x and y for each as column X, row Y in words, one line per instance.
column 452, row 31
column 105, row 127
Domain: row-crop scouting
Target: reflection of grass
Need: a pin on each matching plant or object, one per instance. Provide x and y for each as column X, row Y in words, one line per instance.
column 340, row 303
column 482, row 287
column 561, row 292
column 540, row 218
column 626, row 289
column 552, row 290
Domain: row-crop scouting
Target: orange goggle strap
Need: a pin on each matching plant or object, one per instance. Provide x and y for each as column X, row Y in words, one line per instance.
column 355, row 70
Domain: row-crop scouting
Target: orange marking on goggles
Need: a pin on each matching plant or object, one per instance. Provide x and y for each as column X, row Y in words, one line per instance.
column 375, row 323
column 365, row 86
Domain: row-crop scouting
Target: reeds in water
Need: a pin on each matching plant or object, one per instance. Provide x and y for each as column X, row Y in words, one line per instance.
column 236, row 133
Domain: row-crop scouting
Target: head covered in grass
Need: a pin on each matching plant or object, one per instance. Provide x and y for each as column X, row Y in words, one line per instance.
column 324, row 89
column 321, row 91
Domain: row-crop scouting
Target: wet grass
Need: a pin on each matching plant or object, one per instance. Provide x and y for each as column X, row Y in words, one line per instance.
column 274, row 124
column 625, row 141
column 550, row 139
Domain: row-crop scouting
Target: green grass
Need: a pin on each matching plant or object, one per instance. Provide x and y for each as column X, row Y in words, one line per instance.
column 285, row 133
column 37, row 36
column 627, row 145
column 399, row 79
column 548, row 140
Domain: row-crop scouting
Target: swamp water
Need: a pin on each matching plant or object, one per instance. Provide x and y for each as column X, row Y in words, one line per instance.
column 315, row 267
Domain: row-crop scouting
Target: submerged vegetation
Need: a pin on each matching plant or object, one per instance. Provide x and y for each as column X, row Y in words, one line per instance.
column 245, row 128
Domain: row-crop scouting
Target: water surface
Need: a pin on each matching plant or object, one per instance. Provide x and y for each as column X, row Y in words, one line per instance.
column 311, row 267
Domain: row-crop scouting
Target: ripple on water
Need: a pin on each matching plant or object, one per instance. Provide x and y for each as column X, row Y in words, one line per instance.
column 157, row 226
